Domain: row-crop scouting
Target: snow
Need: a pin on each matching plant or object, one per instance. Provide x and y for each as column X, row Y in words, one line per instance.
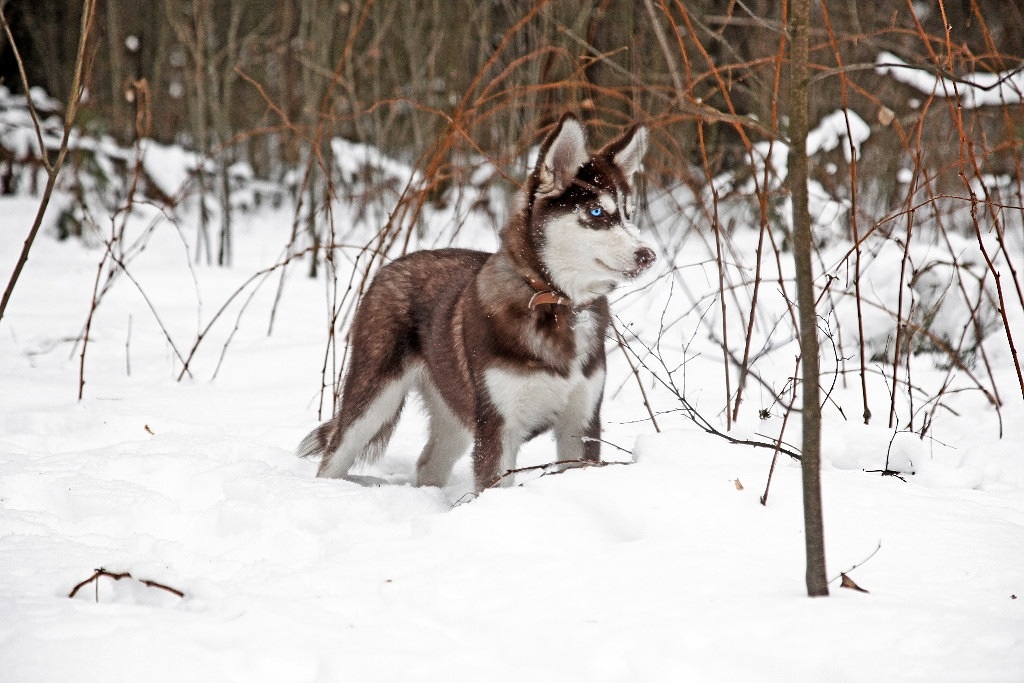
column 352, row 158
column 842, row 127
column 665, row 567
column 973, row 90
column 169, row 167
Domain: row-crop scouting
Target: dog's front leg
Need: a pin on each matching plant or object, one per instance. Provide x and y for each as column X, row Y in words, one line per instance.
column 592, row 441
column 576, row 442
column 494, row 453
column 578, row 429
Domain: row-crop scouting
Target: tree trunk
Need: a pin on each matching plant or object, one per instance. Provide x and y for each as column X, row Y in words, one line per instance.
column 817, row 583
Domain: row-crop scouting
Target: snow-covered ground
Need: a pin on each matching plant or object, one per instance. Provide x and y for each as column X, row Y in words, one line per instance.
column 664, row 568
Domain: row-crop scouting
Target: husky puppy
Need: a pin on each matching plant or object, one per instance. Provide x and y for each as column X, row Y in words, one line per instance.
column 503, row 346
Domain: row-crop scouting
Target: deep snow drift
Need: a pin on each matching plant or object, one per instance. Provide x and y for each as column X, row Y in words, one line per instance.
column 666, row 567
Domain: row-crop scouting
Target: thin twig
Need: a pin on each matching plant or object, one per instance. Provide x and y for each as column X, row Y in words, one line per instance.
column 667, row 381
column 858, row 564
column 70, row 113
column 555, row 468
column 636, row 374
column 782, row 431
column 119, row 576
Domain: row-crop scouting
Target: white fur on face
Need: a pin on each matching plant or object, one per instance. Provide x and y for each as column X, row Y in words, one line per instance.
column 607, row 203
column 586, row 263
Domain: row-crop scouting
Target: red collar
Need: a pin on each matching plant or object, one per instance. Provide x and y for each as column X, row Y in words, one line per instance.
column 548, row 297
column 544, row 294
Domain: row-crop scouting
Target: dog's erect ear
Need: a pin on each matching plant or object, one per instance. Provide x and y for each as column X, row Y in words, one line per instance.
column 628, row 151
column 561, row 155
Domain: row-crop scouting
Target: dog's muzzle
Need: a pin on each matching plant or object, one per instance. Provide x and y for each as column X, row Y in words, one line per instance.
column 644, row 257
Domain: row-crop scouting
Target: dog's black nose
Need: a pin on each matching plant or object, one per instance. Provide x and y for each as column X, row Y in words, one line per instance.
column 644, row 257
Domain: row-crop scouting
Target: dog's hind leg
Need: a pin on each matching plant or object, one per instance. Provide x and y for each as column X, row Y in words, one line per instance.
column 363, row 427
column 448, row 440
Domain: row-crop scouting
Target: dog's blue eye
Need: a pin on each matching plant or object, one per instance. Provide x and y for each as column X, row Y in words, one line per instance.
column 597, row 212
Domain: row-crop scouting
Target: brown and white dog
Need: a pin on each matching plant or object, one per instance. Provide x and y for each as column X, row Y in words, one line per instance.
column 503, row 346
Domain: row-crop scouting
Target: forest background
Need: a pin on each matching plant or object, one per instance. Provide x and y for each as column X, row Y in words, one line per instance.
column 162, row 352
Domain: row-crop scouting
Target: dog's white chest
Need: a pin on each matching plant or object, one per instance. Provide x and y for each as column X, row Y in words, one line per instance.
column 532, row 401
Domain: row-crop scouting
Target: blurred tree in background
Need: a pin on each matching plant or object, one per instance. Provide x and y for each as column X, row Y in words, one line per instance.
column 258, row 80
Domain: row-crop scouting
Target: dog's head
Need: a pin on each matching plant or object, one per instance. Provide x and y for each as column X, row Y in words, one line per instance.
column 580, row 211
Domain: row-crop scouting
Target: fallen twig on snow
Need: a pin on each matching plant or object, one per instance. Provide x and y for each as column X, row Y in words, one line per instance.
column 843, row 574
column 118, row 576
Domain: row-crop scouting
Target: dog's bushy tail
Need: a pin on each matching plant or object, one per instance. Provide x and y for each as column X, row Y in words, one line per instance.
column 314, row 445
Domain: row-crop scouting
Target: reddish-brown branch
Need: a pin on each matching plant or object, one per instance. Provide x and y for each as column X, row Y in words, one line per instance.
column 81, row 72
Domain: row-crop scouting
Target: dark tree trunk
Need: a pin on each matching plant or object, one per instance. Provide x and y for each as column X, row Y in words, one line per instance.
column 817, row 583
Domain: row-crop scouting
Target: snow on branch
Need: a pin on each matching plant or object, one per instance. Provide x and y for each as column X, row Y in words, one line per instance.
column 979, row 89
